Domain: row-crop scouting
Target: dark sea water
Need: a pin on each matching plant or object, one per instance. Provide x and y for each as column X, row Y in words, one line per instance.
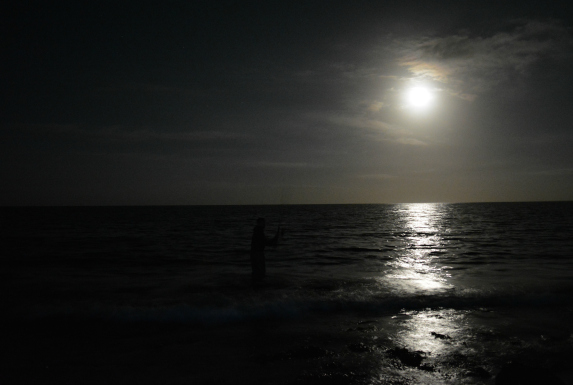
column 406, row 293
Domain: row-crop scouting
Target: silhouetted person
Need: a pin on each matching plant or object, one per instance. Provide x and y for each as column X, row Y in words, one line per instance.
column 258, row 243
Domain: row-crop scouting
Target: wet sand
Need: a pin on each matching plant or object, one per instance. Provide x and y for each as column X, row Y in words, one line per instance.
column 438, row 346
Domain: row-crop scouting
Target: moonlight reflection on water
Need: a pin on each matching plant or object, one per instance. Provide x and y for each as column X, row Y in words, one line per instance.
column 414, row 270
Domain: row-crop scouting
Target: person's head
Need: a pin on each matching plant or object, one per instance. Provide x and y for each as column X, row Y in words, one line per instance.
column 261, row 222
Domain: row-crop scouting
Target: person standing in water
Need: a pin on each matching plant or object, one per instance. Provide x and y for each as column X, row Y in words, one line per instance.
column 258, row 244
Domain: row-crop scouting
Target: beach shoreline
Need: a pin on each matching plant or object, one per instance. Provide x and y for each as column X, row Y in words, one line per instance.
column 335, row 349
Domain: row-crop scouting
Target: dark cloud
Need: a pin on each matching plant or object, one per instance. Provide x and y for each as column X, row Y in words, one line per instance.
column 470, row 65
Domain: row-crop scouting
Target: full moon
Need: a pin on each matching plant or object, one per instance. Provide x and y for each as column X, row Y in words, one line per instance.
column 419, row 97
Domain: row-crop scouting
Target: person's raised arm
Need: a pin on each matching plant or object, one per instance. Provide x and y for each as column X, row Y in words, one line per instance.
column 275, row 240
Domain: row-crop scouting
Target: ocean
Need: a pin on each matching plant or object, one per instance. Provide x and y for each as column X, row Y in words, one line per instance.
column 469, row 293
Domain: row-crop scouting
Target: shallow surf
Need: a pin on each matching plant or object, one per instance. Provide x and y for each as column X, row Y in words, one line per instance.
column 422, row 293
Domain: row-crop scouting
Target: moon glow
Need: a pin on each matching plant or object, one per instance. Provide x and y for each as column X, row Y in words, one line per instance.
column 419, row 97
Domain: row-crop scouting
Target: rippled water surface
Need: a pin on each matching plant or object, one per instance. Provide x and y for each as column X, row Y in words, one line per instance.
column 487, row 282
column 492, row 251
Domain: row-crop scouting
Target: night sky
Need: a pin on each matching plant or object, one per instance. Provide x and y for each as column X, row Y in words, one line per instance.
column 264, row 102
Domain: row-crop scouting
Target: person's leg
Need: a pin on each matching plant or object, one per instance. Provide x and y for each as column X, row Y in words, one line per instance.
column 258, row 265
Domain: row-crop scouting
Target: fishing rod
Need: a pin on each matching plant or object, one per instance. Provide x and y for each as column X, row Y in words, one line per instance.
column 283, row 203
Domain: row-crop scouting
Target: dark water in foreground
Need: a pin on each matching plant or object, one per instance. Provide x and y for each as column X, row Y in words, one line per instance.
column 462, row 288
